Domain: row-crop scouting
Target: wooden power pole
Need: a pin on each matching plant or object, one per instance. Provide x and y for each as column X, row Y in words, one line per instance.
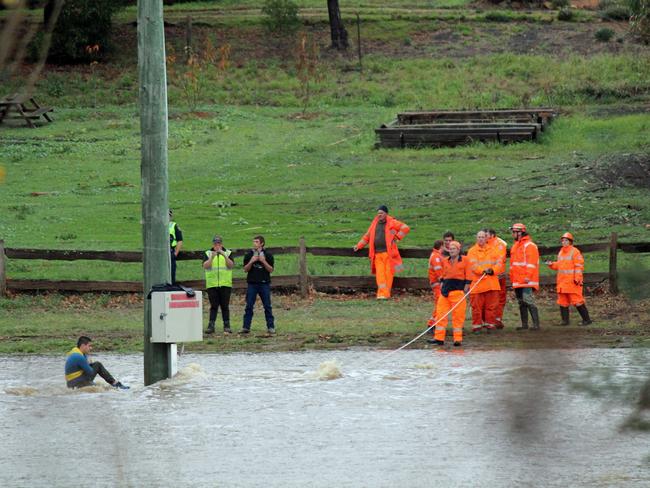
column 153, row 167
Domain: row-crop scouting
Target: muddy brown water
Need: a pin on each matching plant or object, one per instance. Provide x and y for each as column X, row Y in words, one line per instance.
column 419, row 419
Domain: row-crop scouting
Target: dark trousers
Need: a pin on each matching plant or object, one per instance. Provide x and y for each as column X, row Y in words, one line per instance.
column 173, row 263
column 264, row 291
column 220, row 297
column 85, row 380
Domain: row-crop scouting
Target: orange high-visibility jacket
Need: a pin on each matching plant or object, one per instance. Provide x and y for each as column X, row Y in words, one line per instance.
column 502, row 248
column 569, row 265
column 480, row 259
column 435, row 267
column 455, row 275
column 524, row 264
column 395, row 231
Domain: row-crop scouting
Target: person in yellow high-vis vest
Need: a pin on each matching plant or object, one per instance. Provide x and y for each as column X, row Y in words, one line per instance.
column 175, row 243
column 218, row 265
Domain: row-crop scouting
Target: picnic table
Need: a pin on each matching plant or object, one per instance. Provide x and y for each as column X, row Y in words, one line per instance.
column 24, row 107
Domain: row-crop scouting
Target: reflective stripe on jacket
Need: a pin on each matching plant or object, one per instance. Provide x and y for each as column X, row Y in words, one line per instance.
column 394, row 231
column 219, row 274
column 524, row 264
column 480, row 259
column 570, row 267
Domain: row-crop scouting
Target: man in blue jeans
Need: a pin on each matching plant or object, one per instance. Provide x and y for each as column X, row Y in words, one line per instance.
column 258, row 264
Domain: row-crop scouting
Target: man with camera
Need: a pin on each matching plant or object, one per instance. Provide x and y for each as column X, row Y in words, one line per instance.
column 258, row 264
column 218, row 265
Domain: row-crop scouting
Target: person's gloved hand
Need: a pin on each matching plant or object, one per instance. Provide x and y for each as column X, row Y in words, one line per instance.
column 577, row 282
column 489, row 271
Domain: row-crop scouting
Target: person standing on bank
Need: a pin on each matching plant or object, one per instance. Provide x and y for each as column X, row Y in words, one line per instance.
column 258, row 264
column 218, row 265
column 79, row 372
column 570, row 268
column 382, row 235
column 175, row 243
column 524, row 274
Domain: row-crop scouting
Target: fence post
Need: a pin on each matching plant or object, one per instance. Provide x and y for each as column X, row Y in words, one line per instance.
column 613, row 279
column 303, row 277
column 3, row 269
column 188, row 39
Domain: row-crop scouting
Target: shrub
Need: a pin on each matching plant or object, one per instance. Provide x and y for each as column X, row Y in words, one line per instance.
column 281, row 16
column 560, row 4
column 498, row 16
column 604, row 35
column 615, row 12
column 565, row 14
column 82, row 31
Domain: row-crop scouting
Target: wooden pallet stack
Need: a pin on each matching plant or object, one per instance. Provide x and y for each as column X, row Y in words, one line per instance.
column 437, row 128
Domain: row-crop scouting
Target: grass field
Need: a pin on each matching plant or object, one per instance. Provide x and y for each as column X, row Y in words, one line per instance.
column 247, row 156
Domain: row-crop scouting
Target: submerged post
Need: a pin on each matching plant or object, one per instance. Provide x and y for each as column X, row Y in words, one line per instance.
column 613, row 278
column 155, row 217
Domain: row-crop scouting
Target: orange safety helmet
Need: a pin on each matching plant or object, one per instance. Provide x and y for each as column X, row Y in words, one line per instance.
column 567, row 235
column 518, row 226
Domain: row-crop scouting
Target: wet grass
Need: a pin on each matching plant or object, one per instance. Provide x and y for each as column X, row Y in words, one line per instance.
column 50, row 324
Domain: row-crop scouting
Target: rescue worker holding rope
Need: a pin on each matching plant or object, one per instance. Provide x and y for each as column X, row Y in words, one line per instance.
column 382, row 237
column 484, row 297
column 524, row 274
column 570, row 267
column 455, row 280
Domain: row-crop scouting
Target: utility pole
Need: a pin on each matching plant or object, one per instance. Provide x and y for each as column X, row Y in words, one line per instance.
column 153, row 168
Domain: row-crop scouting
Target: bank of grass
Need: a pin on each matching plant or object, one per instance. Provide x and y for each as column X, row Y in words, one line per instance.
column 244, row 171
column 50, row 325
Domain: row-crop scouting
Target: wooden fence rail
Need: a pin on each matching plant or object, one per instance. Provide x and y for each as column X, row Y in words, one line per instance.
column 301, row 282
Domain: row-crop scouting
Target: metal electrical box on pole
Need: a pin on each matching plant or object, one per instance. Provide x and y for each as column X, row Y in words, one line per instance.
column 155, row 217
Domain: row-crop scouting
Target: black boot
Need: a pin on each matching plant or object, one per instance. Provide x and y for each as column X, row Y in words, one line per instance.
column 534, row 314
column 564, row 313
column 210, row 327
column 226, row 328
column 523, row 314
column 584, row 313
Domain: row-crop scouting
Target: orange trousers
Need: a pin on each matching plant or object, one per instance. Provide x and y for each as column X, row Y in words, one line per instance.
column 444, row 305
column 384, row 274
column 484, row 309
column 566, row 299
column 502, row 303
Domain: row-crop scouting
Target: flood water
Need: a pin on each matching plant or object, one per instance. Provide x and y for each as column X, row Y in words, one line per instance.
column 418, row 419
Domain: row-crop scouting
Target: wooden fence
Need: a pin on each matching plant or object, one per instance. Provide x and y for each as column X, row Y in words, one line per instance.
column 301, row 282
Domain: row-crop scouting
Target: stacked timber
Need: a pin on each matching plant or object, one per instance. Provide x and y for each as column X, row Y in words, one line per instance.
column 437, row 128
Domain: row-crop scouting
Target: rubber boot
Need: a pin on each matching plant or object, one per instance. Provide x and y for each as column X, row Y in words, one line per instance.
column 564, row 313
column 584, row 313
column 210, row 327
column 523, row 314
column 534, row 314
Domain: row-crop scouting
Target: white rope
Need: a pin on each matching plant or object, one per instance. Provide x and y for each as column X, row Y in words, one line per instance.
column 430, row 327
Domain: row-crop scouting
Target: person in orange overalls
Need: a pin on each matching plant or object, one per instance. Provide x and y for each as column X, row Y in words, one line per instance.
column 524, row 274
column 455, row 280
column 570, row 267
column 435, row 270
column 382, row 236
column 484, row 297
column 502, row 248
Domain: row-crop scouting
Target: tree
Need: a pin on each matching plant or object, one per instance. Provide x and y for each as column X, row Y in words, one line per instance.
column 338, row 32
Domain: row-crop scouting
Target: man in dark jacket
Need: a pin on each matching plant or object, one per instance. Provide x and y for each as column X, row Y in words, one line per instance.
column 258, row 264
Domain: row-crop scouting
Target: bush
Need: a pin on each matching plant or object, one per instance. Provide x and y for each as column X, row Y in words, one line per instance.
column 565, row 14
column 82, row 31
column 498, row 16
column 560, row 4
column 615, row 12
column 281, row 15
column 604, row 35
